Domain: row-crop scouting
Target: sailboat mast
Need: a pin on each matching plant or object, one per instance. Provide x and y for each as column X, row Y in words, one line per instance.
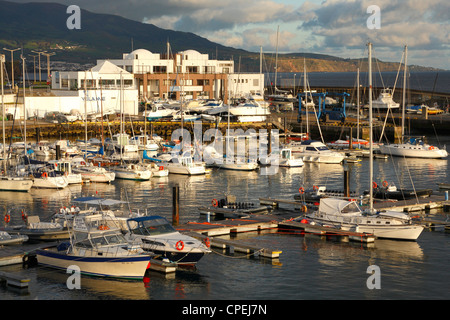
column 24, row 109
column 2, row 60
column 306, row 98
column 404, row 94
column 358, row 106
column 371, row 128
column 276, row 61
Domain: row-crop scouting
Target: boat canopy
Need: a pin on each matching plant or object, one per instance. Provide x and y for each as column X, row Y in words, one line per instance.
column 337, row 206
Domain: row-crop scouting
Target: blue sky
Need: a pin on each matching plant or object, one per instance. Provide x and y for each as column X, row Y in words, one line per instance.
column 335, row 27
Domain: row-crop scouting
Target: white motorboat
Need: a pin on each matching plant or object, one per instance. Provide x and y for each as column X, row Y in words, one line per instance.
column 184, row 164
column 92, row 173
column 315, row 151
column 249, row 112
column 159, row 111
column 98, row 248
column 51, row 179
column 385, row 101
column 8, row 239
column 415, row 147
column 41, row 149
column 155, row 234
column 37, row 230
column 65, row 166
column 157, row 170
column 186, row 116
column 144, row 143
column 282, row 158
column 132, row 172
column 66, row 147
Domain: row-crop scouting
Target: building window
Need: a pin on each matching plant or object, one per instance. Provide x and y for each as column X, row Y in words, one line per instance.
column 159, row 69
column 203, row 82
column 256, row 82
column 192, row 69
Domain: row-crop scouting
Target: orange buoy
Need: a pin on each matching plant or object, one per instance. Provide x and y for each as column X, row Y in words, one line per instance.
column 301, row 190
column 215, row 203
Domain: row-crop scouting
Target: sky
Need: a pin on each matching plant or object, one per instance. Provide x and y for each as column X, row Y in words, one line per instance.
column 334, row 27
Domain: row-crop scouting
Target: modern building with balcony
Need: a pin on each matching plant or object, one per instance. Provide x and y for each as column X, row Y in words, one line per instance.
column 188, row 75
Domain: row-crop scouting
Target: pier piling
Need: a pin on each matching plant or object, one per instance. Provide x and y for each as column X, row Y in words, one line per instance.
column 176, row 205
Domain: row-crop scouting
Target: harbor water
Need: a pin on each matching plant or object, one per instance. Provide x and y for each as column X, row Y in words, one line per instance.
column 310, row 267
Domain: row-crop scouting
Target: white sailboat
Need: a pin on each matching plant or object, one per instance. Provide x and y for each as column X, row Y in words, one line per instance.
column 414, row 147
column 10, row 182
column 347, row 215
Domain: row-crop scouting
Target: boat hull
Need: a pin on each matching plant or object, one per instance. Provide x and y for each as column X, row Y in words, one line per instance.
column 15, row 184
column 403, row 150
column 129, row 267
column 407, row 232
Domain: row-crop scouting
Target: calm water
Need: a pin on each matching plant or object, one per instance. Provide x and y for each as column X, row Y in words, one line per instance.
column 308, row 268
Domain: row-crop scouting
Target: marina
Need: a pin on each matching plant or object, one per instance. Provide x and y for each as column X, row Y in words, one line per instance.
column 174, row 238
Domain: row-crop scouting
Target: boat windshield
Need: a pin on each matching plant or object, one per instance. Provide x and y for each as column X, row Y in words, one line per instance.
column 105, row 240
column 150, row 227
column 350, row 208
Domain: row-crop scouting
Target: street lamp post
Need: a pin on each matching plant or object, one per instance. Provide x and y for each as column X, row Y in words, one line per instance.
column 39, row 53
column 48, row 62
column 12, row 65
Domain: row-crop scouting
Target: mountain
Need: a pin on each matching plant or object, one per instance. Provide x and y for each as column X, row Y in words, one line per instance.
column 42, row 27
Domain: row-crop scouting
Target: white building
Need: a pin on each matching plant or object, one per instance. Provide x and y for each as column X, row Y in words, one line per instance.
column 119, row 85
column 188, row 73
column 105, row 87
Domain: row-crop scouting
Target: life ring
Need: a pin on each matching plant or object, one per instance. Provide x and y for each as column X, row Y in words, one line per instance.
column 7, row 218
column 385, row 183
column 179, row 245
column 315, row 188
column 103, row 227
column 374, row 185
column 45, row 175
column 301, row 190
column 83, row 163
column 207, row 242
column 431, row 148
column 161, row 168
column 214, row 202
